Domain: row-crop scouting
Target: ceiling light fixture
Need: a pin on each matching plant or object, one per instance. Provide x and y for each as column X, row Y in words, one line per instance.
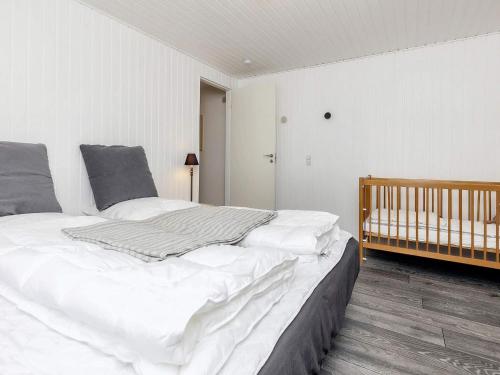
column 247, row 61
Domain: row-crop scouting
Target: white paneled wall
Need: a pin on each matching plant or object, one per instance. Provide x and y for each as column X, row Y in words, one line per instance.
column 431, row 112
column 70, row 75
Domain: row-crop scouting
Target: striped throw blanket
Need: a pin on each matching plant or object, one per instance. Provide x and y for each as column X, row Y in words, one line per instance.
column 173, row 233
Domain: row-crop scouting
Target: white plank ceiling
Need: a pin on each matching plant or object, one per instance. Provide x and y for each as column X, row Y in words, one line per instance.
column 280, row 35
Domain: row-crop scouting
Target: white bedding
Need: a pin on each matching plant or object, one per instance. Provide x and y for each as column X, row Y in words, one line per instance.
column 27, row 346
column 386, row 215
column 140, row 209
column 453, row 228
column 158, row 311
column 298, row 240
column 298, row 231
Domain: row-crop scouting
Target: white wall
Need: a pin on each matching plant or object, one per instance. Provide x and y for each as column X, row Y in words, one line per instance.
column 213, row 155
column 71, row 75
column 431, row 112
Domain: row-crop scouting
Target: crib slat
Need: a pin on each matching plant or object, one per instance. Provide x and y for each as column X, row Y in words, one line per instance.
column 378, row 197
column 416, row 217
column 398, row 204
column 399, row 197
column 472, row 237
column 478, row 205
column 450, row 195
column 485, row 226
column 489, row 206
column 449, row 218
column 371, row 215
column 388, row 215
column 468, row 202
column 427, row 219
column 423, row 198
column 432, row 199
column 379, row 208
column 497, row 222
column 384, row 198
column 407, row 216
column 439, row 198
column 460, row 214
column 392, row 197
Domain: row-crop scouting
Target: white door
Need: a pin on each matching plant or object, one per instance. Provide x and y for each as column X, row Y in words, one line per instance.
column 252, row 155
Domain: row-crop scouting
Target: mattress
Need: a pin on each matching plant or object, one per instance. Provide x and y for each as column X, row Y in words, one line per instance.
column 29, row 347
column 447, row 231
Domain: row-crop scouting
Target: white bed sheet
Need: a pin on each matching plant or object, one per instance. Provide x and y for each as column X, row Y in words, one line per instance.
column 29, row 347
column 454, row 233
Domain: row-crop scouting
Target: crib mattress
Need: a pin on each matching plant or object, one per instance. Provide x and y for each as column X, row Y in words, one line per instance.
column 432, row 229
column 446, row 237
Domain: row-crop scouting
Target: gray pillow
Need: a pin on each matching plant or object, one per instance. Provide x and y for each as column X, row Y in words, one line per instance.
column 25, row 181
column 117, row 174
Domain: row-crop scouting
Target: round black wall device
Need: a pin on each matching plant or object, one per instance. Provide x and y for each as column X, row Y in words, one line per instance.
column 328, row 115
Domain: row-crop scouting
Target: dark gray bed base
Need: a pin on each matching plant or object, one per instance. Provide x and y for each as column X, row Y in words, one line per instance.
column 305, row 343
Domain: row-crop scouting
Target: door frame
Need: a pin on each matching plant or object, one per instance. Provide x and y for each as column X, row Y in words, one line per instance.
column 227, row 158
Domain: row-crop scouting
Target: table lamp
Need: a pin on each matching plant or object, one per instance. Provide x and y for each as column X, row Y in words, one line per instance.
column 191, row 161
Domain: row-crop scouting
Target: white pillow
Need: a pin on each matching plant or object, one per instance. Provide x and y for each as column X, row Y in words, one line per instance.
column 322, row 222
column 300, row 240
column 140, row 209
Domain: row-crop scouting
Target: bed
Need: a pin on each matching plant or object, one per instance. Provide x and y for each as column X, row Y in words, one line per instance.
column 309, row 337
column 455, row 221
column 314, row 309
column 146, row 285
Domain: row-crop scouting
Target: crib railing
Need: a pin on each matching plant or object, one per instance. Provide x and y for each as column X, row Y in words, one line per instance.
column 456, row 221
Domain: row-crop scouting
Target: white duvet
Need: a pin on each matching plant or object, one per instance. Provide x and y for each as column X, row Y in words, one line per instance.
column 150, row 314
column 29, row 347
column 241, row 345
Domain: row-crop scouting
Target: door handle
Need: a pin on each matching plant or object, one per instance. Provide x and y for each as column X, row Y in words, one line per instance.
column 270, row 156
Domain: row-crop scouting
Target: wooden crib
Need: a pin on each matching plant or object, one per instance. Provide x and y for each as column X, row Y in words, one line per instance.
column 457, row 221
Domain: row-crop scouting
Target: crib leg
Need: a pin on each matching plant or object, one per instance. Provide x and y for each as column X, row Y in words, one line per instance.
column 361, row 219
column 362, row 252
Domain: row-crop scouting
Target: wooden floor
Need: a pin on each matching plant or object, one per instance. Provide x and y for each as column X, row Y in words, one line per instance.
column 415, row 316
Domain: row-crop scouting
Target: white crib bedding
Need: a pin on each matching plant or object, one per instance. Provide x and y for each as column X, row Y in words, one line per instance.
column 446, row 230
column 29, row 347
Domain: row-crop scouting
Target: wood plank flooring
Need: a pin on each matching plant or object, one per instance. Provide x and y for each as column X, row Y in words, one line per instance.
column 412, row 315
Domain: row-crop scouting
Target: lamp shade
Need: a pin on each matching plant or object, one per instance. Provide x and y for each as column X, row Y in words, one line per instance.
column 191, row 160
